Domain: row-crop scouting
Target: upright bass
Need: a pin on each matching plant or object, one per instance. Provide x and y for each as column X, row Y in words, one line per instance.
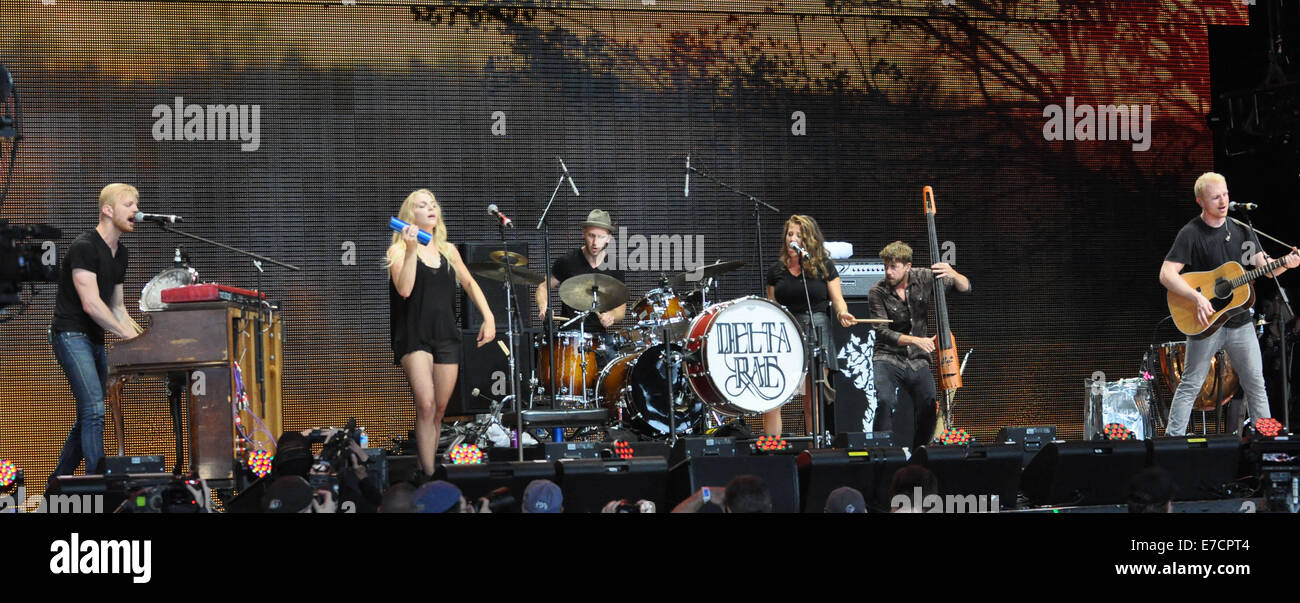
column 945, row 345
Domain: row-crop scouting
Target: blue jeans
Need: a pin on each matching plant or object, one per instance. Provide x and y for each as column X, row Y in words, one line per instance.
column 86, row 365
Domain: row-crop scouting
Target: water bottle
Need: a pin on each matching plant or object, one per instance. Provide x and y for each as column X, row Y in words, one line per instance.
column 365, row 439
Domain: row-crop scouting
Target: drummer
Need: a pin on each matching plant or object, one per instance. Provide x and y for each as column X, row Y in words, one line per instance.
column 588, row 259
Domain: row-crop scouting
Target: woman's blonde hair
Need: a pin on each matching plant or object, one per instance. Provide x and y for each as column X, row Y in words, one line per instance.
column 407, row 214
column 814, row 244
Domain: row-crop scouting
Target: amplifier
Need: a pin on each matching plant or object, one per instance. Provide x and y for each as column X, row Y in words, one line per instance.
column 857, row 277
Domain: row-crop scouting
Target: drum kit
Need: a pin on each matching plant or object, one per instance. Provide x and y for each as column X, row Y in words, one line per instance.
column 685, row 362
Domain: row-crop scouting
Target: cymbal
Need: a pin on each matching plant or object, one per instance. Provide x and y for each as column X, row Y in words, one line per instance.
column 499, row 256
column 709, row 271
column 497, row 272
column 576, row 291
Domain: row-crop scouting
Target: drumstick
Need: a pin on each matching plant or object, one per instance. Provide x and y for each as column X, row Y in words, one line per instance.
column 504, row 349
column 871, row 321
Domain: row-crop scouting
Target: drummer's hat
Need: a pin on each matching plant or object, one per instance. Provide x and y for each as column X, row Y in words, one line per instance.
column 600, row 219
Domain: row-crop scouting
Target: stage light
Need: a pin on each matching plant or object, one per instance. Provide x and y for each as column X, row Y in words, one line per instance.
column 8, row 473
column 954, row 437
column 1268, row 427
column 260, row 463
column 1117, row 431
column 623, row 450
column 770, row 444
column 466, row 454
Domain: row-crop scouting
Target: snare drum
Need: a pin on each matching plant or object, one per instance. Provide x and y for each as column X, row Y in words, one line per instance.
column 745, row 356
column 575, row 366
column 635, row 388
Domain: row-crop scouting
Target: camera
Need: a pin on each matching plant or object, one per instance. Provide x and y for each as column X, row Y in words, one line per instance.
column 20, row 259
column 500, row 500
column 627, row 507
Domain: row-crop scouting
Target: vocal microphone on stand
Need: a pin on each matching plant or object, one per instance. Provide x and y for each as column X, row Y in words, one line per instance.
column 505, row 221
column 803, row 254
column 1234, row 206
column 159, row 218
column 567, row 176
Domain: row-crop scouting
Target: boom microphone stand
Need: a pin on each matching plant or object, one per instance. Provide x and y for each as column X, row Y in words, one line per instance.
column 814, row 375
column 1286, row 306
column 758, row 217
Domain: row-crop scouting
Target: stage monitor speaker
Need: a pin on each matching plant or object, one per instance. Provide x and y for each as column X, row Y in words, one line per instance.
column 116, row 466
column 853, row 403
column 777, row 471
column 556, row 451
column 1030, row 439
column 1202, row 466
column 858, row 440
column 480, row 480
column 870, row 471
column 980, row 470
column 486, row 368
column 589, row 484
column 1083, row 472
column 480, row 251
column 698, row 446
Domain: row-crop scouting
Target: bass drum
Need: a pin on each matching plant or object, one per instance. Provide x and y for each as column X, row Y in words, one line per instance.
column 635, row 388
column 745, row 356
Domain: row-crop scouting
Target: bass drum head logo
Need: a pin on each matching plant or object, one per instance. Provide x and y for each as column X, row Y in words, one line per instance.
column 755, row 354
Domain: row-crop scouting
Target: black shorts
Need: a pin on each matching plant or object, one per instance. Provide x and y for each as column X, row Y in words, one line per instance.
column 445, row 351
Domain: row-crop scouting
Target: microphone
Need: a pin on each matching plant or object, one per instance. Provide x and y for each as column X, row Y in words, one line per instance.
column 687, row 191
column 795, row 246
column 505, row 221
column 159, row 218
column 397, row 225
column 1234, row 206
column 566, row 175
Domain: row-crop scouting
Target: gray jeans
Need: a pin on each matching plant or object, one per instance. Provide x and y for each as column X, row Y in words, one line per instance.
column 1243, row 352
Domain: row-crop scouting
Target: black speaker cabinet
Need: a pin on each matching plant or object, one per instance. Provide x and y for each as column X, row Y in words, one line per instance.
column 589, row 484
column 851, row 402
column 699, row 446
column 777, row 471
column 494, row 291
column 486, row 368
column 1030, row 439
column 480, row 480
column 870, row 471
column 975, row 470
column 1083, row 472
column 1200, row 465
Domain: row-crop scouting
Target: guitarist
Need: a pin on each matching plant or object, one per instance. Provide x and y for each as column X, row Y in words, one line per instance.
column 1205, row 243
column 903, row 351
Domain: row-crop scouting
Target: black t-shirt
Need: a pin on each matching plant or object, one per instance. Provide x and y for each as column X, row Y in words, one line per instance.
column 1201, row 247
column 788, row 288
column 87, row 252
column 574, row 264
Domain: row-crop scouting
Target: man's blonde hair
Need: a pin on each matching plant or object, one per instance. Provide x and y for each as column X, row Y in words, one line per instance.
column 112, row 192
column 1204, row 182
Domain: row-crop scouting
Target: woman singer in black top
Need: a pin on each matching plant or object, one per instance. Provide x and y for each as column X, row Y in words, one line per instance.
column 785, row 287
column 422, row 300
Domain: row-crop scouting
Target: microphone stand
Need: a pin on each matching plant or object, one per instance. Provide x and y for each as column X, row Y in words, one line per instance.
column 815, row 399
column 545, row 227
column 1286, row 307
column 758, row 219
column 511, row 306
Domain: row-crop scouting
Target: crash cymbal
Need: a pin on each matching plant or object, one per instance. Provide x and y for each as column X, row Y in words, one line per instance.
column 576, row 291
column 499, row 256
column 497, row 272
column 709, row 271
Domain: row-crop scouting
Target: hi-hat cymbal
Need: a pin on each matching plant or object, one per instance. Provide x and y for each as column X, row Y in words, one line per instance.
column 499, row 256
column 576, row 291
column 703, row 272
column 497, row 272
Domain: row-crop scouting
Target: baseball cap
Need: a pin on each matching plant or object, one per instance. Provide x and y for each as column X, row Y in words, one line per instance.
column 845, row 500
column 436, row 497
column 543, row 496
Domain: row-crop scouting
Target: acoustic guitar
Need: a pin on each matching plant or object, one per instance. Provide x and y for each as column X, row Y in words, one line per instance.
column 1229, row 290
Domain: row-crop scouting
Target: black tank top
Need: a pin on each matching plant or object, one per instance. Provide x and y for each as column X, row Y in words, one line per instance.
column 428, row 315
